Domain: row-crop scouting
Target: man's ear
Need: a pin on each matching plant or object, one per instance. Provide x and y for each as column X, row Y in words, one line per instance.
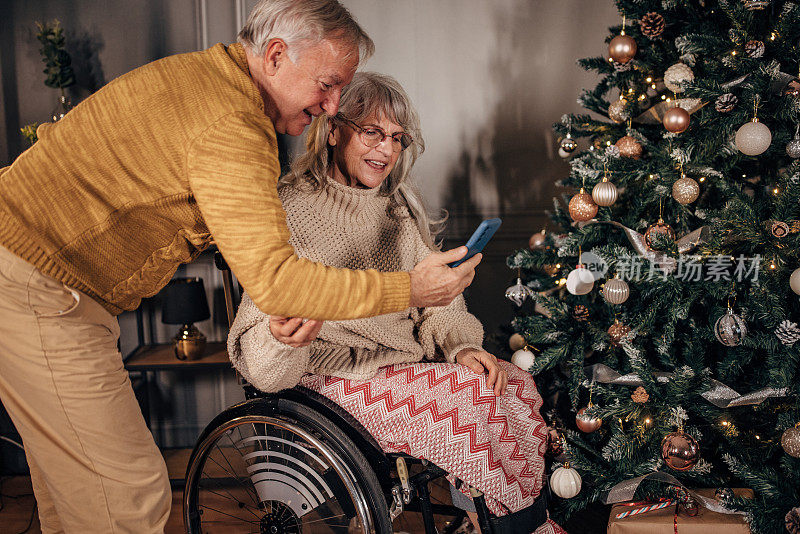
column 274, row 55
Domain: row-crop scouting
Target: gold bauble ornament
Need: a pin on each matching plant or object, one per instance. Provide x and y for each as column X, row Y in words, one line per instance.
column 605, row 193
column 537, row 240
column 618, row 332
column 658, row 228
column 582, row 207
column 516, row 341
column 622, row 48
column 677, row 77
column 680, row 451
column 676, row 120
column 617, row 111
column 685, row 190
column 616, row 291
column 629, row 147
column 587, row 423
column 790, row 441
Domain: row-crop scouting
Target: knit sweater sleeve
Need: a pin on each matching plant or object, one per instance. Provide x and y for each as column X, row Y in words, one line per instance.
column 450, row 328
column 233, row 170
column 262, row 360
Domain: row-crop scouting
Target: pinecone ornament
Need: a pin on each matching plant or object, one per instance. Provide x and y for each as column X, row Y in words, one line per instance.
column 640, row 395
column 754, row 49
column 788, row 332
column 652, row 25
column 580, row 313
column 726, row 102
column 793, row 520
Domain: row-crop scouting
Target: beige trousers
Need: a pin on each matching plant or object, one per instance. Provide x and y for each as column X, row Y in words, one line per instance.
column 94, row 464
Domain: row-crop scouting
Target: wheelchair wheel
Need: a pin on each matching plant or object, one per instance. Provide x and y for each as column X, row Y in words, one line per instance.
column 273, row 466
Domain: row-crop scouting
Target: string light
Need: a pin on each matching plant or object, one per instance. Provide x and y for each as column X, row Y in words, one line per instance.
column 558, row 265
column 772, row 37
column 775, row 191
column 562, row 281
column 733, row 53
column 649, row 79
column 702, row 178
column 653, row 86
column 772, row 265
column 663, row 97
column 669, row 99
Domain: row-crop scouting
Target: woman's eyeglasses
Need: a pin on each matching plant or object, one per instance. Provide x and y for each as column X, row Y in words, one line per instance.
column 373, row 136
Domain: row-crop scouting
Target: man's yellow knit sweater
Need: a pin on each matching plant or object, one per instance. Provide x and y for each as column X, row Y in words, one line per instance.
column 142, row 175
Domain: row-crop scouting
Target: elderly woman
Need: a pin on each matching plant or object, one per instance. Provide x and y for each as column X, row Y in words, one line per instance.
column 350, row 203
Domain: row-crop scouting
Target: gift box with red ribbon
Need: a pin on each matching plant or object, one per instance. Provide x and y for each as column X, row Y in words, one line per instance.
column 669, row 516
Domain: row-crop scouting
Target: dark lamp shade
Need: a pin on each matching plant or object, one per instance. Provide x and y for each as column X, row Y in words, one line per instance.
column 184, row 302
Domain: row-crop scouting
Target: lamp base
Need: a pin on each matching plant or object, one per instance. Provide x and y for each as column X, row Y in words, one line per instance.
column 190, row 343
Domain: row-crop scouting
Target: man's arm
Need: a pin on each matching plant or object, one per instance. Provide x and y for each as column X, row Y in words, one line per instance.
column 233, row 171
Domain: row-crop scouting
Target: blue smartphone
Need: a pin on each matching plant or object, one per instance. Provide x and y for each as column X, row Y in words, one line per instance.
column 482, row 235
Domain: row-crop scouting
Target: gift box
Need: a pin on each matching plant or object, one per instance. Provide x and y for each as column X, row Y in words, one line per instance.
column 661, row 520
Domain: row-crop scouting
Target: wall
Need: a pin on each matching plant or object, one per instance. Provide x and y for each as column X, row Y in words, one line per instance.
column 488, row 78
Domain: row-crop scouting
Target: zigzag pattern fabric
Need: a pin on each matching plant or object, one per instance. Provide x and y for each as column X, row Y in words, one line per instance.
column 445, row 413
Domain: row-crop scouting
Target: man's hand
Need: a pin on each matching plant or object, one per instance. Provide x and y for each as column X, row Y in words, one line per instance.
column 433, row 283
column 293, row 331
column 481, row 361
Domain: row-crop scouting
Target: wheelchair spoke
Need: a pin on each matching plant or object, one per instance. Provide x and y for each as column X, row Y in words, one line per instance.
column 203, row 507
column 242, row 482
column 241, row 504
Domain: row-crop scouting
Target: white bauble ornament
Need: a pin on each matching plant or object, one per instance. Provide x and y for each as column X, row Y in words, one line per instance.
column 677, row 77
column 523, row 358
column 565, row 482
column 794, row 281
column 580, row 281
column 730, row 329
column 563, row 153
column 753, row 138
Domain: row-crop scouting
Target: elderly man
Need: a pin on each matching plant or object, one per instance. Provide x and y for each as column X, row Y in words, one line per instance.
column 137, row 179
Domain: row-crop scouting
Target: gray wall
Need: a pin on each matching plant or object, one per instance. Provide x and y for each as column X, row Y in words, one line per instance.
column 488, row 78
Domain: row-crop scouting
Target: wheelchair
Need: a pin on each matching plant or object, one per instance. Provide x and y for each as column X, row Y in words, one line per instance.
column 296, row 462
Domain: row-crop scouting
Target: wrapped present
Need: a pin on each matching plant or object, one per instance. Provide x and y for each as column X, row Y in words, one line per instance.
column 667, row 517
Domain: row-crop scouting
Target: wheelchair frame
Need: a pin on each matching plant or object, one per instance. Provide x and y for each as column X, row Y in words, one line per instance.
column 403, row 492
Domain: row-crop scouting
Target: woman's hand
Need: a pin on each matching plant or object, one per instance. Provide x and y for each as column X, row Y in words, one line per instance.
column 293, row 331
column 481, row 361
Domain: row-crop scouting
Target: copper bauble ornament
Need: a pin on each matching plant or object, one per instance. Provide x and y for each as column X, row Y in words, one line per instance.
column 677, row 77
column 537, row 240
column 605, row 193
column 680, row 451
column 790, row 441
column 618, row 112
column 730, row 329
column 618, row 333
column 622, row 48
column 582, row 207
column 676, row 120
column 587, row 423
column 753, row 138
column 629, row 147
column 516, row 341
column 658, row 228
column 685, row 190
column 616, row 291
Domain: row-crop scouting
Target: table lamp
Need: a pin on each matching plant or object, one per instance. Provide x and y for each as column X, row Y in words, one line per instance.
column 185, row 303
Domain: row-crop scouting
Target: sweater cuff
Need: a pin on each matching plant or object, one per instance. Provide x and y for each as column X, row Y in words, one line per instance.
column 396, row 289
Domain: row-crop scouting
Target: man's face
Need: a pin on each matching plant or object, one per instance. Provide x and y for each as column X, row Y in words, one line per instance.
column 299, row 91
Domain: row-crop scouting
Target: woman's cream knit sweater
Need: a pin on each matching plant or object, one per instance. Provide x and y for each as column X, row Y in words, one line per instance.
column 350, row 228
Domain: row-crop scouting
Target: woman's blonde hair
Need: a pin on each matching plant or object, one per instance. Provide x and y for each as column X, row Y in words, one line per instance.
column 369, row 94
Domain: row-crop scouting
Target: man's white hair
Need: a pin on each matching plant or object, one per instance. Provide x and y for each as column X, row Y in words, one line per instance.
column 302, row 23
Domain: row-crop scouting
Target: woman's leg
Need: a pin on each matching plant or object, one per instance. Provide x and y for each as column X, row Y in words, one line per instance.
column 446, row 413
column 64, row 385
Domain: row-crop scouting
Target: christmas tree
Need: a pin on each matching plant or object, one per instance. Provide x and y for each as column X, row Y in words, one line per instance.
column 666, row 310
